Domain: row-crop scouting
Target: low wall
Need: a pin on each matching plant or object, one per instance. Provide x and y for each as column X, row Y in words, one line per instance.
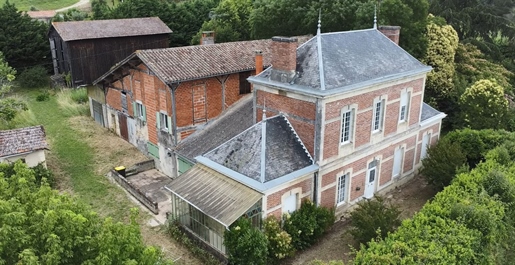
column 140, row 167
column 139, row 195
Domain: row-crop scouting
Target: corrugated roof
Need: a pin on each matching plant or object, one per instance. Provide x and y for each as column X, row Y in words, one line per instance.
column 18, row 141
column 350, row 59
column 214, row 194
column 235, row 120
column 111, row 28
column 284, row 151
column 196, row 62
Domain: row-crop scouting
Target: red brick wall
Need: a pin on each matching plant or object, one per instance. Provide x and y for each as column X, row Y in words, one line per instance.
column 392, row 118
column 284, row 53
column 328, row 197
column 301, row 114
column 114, row 98
column 386, row 172
column 414, row 112
column 274, row 199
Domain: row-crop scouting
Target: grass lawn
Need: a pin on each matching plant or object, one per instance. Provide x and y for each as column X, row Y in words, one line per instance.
column 24, row 5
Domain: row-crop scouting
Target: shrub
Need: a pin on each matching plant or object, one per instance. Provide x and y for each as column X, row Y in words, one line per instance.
column 40, row 172
column 34, row 77
column 245, row 244
column 43, row 96
column 79, row 95
column 175, row 232
column 373, row 217
column 279, row 241
column 442, row 162
column 307, row 224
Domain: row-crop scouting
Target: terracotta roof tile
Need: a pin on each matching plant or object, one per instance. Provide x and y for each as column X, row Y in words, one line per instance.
column 22, row 140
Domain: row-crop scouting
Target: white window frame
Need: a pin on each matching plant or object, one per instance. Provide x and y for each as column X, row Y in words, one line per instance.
column 139, row 110
column 163, row 120
column 400, row 161
column 404, row 106
column 347, row 126
column 378, row 115
column 341, row 188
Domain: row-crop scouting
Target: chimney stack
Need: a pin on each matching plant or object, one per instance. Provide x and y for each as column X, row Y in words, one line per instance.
column 259, row 62
column 392, row 32
column 208, row 37
column 284, row 58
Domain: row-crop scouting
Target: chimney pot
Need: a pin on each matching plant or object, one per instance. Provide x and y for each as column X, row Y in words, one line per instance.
column 208, row 37
column 392, row 32
column 259, row 62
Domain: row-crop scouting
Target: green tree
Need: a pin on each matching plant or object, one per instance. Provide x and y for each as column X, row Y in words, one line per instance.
column 22, row 41
column 484, row 105
column 9, row 106
column 245, row 244
column 40, row 226
column 72, row 14
column 442, row 163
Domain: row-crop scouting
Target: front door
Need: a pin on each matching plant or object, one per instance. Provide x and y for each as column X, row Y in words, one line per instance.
column 371, row 180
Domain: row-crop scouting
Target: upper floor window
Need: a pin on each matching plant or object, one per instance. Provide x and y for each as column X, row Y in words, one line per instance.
column 403, row 112
column 342, row 188
column 377, row 121
column 347, row 126
column 140, row 111
column 163, row 122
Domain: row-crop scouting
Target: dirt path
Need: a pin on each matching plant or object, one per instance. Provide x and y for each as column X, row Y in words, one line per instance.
column 335, row 245
column 82, row 5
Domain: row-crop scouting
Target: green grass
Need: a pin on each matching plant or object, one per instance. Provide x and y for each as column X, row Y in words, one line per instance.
column 75, row 158
column 24, row 5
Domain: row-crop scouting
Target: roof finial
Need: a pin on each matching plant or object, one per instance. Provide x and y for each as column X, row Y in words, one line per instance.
column 264, row 110
column 319, row 20
column 375, row 16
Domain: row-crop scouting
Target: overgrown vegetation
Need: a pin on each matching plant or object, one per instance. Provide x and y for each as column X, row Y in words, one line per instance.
column 373, row 219
column 34, row 77
column 469, row 222
column 245, row 244
column 72, row 101
column 42, row 175
column 279, row 241
column 179, row 236
column 37, row 224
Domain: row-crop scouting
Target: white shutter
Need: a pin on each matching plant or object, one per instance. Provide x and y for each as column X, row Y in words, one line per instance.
column 397, row 162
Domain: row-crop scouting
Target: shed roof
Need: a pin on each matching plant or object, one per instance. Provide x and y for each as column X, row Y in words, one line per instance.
column 235, row 120
column 350, row 59
column 111, row 28
column 214, row 194
column 41, row 14
column 19, row 141
column 284, row 151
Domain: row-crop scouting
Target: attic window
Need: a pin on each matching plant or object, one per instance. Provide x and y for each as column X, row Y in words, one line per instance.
column 244, row 84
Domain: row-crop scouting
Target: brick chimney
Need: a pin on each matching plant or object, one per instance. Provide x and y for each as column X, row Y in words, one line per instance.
column 208, row 37
column 259, row 62
column 284, row 58
column 392, row 32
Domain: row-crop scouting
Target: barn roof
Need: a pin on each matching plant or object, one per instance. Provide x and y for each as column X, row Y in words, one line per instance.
column 111, row 28
column 19, row 141
column 41, row 14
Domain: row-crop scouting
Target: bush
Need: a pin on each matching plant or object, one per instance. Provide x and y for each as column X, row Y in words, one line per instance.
column 279, row 241
column 245, row 244
column 34, row 77
column 307, row 224
column 373, row 217
column 442, row 162
column 43, row 96
column 40, row 172
column 79, row 95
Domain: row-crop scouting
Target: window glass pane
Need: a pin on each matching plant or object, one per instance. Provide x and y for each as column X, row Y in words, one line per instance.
column 341, row 188
column 346, row 126
column 372, row 175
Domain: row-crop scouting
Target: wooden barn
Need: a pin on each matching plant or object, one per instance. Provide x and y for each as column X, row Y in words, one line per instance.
column 85, row 50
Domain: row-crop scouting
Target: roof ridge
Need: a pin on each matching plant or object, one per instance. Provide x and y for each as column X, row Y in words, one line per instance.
column 298, row 138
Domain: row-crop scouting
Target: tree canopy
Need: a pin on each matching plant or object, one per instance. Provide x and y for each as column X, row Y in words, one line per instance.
column 9, row 106
column 40, row 226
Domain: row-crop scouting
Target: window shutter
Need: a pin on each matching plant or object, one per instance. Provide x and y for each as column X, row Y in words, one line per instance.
column 144, row 113
column 134, row 110
column 158, row 124
column 169, row 124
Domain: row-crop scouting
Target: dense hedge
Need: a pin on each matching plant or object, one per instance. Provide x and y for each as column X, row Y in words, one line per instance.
column 467, row 223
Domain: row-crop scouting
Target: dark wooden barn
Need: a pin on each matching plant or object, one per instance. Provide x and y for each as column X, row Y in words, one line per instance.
column 87, row 49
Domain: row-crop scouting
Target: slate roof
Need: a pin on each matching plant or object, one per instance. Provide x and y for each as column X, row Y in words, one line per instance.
column 234, row 121
column 428, row 112
column 284, row 153
column 111, row 28
column 350, row 59
column 18, row 141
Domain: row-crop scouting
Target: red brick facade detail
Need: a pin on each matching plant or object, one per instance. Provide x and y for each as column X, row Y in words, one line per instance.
column 274, row 199
column 301, row 114
column 328, row 197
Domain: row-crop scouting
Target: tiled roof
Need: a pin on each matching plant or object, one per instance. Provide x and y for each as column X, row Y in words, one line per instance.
column 41, row 14
column 18, row 141
column 284, row 151
column 96, row 29
column 200, row 61
column 350, row 60
column 428, row 112
column 234, row 121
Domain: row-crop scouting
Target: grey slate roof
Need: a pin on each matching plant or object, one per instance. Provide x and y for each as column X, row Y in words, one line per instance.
column 96, row 29
column 234, row 121
column 349, row 58
column 196, row 62
column 284, row 153
column 19, row 141
column 428, row 112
